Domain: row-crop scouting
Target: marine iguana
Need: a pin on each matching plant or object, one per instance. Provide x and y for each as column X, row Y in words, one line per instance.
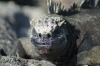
column 58, row 39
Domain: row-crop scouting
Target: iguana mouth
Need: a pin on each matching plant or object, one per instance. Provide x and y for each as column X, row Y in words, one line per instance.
column 42, row 43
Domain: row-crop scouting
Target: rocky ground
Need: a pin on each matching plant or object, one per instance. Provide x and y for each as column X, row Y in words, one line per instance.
column 14, row 25
column 16, row 61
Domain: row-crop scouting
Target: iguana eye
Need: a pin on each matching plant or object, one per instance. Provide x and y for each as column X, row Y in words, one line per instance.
column 48, row 35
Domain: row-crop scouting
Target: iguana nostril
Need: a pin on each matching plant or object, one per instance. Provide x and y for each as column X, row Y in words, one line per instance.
column 40, row 35
column 44, row 36
column 48, row 35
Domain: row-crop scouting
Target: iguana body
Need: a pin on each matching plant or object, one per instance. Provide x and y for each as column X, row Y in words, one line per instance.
column 56, row 38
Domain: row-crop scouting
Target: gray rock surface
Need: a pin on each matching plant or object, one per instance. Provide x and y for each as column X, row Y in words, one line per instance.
column 89, row 57
column 16, row 61
column 14, row 15
column 10, row 27
column 7, row 37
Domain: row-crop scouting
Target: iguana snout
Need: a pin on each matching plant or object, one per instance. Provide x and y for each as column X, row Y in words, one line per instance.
column 42, row 43
column 46, row 44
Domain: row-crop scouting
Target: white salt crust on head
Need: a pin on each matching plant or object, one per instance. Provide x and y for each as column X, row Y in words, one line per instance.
column 45, row 24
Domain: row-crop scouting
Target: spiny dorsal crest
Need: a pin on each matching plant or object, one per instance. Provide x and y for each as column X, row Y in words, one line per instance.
column 55, row 6
column 45, row 24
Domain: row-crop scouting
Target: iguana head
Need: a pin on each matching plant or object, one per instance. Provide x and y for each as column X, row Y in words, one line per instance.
column 47, row 34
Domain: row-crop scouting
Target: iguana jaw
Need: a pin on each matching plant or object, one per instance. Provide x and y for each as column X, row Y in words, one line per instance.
column 46, row 45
